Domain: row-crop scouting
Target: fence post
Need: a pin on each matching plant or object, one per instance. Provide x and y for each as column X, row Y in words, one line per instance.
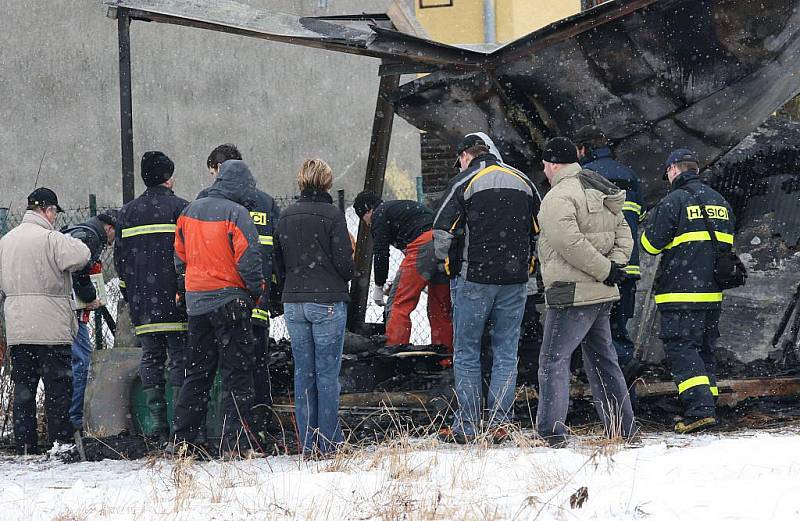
column 340, row 193
column 98, row 317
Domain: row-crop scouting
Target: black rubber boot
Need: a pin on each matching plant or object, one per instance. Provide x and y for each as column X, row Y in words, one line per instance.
column 157, row 406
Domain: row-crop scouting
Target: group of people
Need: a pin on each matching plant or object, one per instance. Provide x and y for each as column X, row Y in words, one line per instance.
column 202, row 279
column 493, row 239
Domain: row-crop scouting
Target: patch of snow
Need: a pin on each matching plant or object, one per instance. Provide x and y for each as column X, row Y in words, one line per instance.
column 750, row 475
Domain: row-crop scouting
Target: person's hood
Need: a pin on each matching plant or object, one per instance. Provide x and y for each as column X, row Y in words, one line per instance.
column 492, row 147
column 600, row 191
column 235, row 182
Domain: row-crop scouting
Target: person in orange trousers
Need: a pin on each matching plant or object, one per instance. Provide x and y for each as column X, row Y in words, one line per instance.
column 406, row 225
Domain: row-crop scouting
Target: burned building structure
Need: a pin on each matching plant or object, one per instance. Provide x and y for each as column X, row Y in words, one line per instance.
column 653, row 74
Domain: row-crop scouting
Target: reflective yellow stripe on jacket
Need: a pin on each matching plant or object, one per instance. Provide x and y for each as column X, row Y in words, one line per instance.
column 630, row 206
column 648, row 247
column 726, row 238
column 683, row 238
column 676, row 298
column 632, row 269
column 266, row 240
column 260, row 314
column 146, row 229
column 162, row 327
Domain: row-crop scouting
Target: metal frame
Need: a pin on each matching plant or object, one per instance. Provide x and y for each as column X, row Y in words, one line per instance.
column 376, row 163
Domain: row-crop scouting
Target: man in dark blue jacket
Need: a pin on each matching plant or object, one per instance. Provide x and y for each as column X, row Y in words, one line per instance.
column 685, row 290
column 144, row 257
column 595, row 154
column 265, row 213
column 96, row 233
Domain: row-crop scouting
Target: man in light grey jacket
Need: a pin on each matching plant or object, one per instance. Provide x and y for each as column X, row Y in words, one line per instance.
column 583, row 247
column 35, row 265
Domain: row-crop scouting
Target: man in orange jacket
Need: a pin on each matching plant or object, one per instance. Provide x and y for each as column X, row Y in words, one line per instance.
column 217, row 249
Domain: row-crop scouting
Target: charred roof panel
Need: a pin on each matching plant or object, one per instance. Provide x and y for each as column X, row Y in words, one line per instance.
column 653, row 75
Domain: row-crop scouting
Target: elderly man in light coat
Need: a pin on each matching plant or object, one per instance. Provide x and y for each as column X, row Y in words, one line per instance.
column 583, row 247
column 35, row 265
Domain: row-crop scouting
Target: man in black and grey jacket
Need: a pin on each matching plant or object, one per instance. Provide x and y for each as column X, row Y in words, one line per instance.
column 485, row 234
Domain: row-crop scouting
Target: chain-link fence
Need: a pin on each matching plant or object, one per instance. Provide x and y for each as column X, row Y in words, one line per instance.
column 72, row 217
column 420, row 327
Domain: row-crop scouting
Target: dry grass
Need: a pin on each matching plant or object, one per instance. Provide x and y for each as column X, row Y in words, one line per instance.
column 183, row 478
column 71, row 515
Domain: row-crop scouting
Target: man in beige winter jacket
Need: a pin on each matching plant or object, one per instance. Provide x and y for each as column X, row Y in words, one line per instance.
column 35, row 265
column 583, row 246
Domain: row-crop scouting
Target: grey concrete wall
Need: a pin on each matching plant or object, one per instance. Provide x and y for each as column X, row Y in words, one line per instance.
column 192, row 90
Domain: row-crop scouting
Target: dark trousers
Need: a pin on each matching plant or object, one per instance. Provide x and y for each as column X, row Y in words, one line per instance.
column 261, row 383
column 160, row 351
column 621, row 312
column 530, row 339
column 52, row 364
column 689, row 337
column 221, row 339
column 564, row 330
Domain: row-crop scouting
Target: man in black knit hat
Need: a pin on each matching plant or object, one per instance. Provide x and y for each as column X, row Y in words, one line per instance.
column 144, row 258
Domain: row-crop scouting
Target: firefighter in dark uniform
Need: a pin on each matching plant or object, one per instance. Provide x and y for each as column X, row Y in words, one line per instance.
column 595, row 154
column 686, row 292
column 264, row 212
column 144, row 258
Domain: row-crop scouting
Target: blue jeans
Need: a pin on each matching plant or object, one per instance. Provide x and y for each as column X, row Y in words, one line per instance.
column 503, row 305
column 317, row 335
column 81, row 356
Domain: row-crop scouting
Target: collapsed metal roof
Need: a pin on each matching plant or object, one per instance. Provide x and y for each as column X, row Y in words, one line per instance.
column 363, row 34
column 655, row 75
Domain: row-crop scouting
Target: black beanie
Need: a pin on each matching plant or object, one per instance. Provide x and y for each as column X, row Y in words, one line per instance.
column 560, row 150
column 156, row 168
column 365, row 201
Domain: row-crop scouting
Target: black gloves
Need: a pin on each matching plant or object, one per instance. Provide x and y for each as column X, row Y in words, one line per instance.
column 616, row 276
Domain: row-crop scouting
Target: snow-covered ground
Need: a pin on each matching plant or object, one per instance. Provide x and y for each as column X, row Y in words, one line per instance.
column 744, row 476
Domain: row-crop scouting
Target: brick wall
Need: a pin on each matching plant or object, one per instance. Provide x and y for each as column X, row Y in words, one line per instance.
column 437, row 165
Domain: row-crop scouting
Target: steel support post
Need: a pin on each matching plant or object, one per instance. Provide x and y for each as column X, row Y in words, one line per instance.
column 125, row 104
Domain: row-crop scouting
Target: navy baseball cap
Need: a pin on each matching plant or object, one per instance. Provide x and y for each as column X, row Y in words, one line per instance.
column 678, row 156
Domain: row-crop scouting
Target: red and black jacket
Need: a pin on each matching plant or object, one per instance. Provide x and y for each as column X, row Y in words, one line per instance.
column 216, row 244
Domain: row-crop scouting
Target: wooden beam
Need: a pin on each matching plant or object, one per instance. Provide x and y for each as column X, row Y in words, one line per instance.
column 373, row 181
